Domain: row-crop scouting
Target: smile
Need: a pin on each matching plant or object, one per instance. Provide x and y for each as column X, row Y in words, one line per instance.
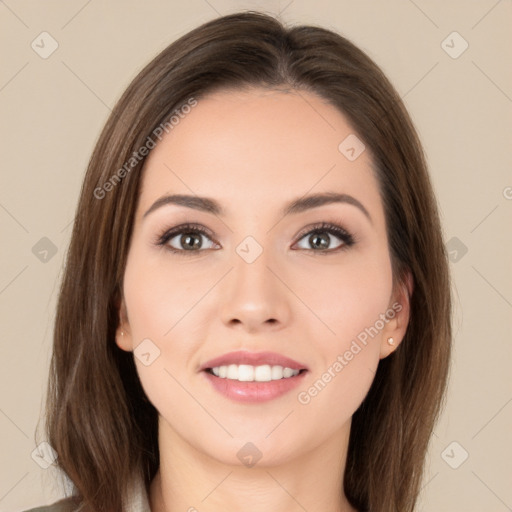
column 248, row 373
column 253, row 377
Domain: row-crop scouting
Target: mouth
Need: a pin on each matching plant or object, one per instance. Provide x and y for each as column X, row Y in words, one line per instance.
column 253, row 377
column 249, row 373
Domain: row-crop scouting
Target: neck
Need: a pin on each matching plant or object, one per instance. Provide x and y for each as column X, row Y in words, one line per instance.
column 189, row 480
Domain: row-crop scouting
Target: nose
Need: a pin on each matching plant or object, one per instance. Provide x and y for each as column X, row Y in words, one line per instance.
column 254, row 296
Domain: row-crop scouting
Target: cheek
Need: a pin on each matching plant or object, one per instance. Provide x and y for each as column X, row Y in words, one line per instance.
column 333, row 395
column 157, row 310
column 164, row 306
column 351, row 301
column 349, row 297
column 158, row 296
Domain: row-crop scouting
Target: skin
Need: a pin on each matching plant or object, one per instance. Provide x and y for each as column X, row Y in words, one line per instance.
column 254, row 151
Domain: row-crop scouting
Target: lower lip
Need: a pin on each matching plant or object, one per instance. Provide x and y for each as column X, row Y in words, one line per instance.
column 254, row 392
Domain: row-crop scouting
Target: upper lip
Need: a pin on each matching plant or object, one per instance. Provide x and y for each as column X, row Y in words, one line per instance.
column 253, row 359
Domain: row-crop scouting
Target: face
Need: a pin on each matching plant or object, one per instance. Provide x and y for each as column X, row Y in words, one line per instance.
column 259, row 277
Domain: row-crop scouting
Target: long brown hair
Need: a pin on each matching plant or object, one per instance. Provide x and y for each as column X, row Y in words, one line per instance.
column 99, row 419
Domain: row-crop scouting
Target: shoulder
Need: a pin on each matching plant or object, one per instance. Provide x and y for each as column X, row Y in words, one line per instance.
column 64, row 505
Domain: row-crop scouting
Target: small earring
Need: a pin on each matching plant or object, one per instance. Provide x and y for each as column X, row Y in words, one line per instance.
column 122, row 333
column 391, row 341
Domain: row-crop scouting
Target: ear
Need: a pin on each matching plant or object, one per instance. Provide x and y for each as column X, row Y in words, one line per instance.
column 123, row 334
column 398, row 313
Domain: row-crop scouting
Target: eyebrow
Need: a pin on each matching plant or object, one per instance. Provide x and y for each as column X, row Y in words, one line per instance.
column 299, row 205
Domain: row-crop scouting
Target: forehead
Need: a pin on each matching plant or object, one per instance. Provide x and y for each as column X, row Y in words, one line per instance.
column 258, row 147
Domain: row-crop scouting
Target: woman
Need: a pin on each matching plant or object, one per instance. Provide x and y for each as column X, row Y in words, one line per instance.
column 256, row 302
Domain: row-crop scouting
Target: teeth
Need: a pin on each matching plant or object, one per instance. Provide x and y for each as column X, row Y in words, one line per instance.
column 277, row 372
column 287, row 372
column 245, row 373
column 263, row 373
column 248, row 373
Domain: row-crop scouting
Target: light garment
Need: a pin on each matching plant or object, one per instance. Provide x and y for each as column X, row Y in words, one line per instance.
column 136, row 501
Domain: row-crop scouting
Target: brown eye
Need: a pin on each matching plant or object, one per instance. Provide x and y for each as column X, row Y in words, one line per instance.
column 187, row 241
column 321, row 238
column 186, row 238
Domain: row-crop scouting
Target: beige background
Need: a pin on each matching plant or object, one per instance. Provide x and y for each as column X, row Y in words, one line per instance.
column 52, row 110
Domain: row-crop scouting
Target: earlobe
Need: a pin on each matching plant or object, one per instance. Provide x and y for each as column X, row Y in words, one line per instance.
column 123, row 336
column 123, row 340
column 396, row 328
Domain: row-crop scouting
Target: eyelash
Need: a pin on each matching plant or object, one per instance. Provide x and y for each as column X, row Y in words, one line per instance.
column 322, row 227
